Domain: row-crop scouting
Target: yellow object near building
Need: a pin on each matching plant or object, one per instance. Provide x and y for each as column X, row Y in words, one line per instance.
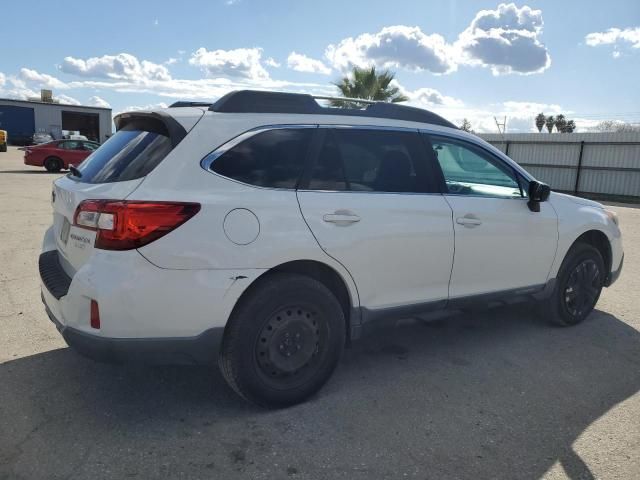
column 3, row 140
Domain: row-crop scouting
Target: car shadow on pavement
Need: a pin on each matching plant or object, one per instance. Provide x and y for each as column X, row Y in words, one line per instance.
column 496, row 394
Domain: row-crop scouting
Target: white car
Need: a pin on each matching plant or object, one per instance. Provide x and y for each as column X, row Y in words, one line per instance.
column 266, row 231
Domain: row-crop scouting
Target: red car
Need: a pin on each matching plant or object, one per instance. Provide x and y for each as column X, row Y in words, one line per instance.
column 58, row 155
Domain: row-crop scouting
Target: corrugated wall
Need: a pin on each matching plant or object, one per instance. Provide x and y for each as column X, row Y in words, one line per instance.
column 609, row 165
column 48, row 116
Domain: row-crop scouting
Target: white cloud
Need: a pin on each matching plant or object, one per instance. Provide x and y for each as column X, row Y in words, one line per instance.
column 66, row 99
column 615, row 36
column 151, row 106
column 42, row 79
column 14, row 87
column 122, row 66
column 237, row 63
column 398, row 46
column 506, row 40
column 272, row 62
column 302, row 63
column 96, row 101
column 171, row 61
column 428, row 97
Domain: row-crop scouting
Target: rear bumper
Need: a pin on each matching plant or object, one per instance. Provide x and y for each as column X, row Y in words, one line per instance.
column 200, row 350
column 148, row 314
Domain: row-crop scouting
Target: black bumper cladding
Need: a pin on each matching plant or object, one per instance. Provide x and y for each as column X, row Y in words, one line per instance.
column 613, row 276
column 200, row 350
column 52, row 274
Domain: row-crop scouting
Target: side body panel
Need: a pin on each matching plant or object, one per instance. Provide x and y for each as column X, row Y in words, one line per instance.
column 399, row 252
column 510, row 247
column 577, row 216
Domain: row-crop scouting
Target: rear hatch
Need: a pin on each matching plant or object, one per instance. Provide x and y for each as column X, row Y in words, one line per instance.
column 112, row 172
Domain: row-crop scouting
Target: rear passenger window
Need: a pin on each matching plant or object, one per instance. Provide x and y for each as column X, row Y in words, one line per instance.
column 274, row 158
column 363, row 160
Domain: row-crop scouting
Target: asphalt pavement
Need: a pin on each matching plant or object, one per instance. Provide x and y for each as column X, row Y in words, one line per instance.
column 497, row 394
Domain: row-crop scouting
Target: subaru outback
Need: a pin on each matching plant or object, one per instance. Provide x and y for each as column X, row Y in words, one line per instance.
column 266, row 231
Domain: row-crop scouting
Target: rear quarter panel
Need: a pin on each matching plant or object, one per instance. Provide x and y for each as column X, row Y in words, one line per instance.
column 201, row 243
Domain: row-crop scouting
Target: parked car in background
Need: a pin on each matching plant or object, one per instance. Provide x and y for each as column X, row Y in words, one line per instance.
column 40, row 138
column 3, row 140
column 58, row 155
column 265, row 231
column 74, row 137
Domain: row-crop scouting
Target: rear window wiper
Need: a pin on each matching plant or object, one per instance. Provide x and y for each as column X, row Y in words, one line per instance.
column 75, row 172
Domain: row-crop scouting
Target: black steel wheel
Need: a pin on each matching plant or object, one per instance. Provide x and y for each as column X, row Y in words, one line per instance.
column 578, row 286
column 288, row 345
column 283, row 340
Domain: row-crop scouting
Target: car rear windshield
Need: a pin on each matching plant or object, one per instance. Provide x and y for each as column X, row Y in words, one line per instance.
column 133, row 152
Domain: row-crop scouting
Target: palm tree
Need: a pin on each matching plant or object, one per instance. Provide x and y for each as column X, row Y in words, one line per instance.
column 570, row 127
column 549, row 122
column 368, row 84
column 540, row 121
column 561, row 123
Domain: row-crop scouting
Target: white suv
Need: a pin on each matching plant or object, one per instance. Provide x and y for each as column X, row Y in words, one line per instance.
column 266, row 231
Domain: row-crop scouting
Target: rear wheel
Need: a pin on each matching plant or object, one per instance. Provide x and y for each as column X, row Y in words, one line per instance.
column 578, row 286
column 53, row 164
column 283, row 341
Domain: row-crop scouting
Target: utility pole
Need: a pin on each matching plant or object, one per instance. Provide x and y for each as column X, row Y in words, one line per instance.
column 502, row 127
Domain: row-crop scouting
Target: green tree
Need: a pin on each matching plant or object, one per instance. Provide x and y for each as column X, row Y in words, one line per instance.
column 368, row 84
column 569, row 127
column 561, row 123
column 549, row 122
column 466, row 126
column 540, row 121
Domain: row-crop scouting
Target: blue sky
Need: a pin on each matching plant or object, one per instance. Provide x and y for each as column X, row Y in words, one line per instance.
column 471, row 59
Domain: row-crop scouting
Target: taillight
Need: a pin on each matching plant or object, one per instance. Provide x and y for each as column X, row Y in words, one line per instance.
column 124, row 225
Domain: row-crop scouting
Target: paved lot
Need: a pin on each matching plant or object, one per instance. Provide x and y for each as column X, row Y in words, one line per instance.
column 490, row 395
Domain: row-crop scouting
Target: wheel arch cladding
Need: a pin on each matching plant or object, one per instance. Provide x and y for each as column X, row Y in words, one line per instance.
column 320, row 272
column 600, row 241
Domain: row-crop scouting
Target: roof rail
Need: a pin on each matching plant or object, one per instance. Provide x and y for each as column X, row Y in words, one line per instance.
column 254, row 101
column 189, row 104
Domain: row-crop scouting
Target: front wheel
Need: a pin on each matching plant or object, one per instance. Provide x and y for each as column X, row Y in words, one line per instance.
column 578, row 286
column 283, row 340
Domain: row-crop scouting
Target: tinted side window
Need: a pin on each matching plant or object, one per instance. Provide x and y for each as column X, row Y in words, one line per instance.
column 371, row 160
column 274, row 158
column 468, row 170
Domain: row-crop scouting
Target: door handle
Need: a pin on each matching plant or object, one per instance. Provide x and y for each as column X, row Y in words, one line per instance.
column 469, row 221
column 341, row 218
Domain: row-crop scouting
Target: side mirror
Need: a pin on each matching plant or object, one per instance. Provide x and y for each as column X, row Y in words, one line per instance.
column 538, row 192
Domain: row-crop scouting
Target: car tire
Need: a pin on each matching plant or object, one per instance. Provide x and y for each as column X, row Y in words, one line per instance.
column 283, row 340
column 53, row 164
column 577, row 288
